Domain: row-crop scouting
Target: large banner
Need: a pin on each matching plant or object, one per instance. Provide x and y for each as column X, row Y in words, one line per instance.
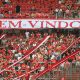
column 37, row 23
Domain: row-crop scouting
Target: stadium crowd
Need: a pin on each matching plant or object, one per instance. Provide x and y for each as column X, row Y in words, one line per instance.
column 39, row 9
column 16, row 45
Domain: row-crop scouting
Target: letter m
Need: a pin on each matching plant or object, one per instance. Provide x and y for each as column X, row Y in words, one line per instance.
column 15, row 25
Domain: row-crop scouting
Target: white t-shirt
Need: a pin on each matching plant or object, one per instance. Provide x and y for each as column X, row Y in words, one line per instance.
column 27, row 34
column 6, row 0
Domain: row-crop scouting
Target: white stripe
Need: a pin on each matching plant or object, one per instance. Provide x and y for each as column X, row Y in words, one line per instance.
column 2, row 36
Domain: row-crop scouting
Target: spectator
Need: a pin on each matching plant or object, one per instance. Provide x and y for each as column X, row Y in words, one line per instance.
column 17, row 9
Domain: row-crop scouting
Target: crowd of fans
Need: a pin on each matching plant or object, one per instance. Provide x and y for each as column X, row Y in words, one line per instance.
column 16, row 45
column 40, row 9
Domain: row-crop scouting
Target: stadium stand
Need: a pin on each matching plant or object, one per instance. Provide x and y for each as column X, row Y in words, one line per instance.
column 56, row 47
column 39, row 54
column 40, row 9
